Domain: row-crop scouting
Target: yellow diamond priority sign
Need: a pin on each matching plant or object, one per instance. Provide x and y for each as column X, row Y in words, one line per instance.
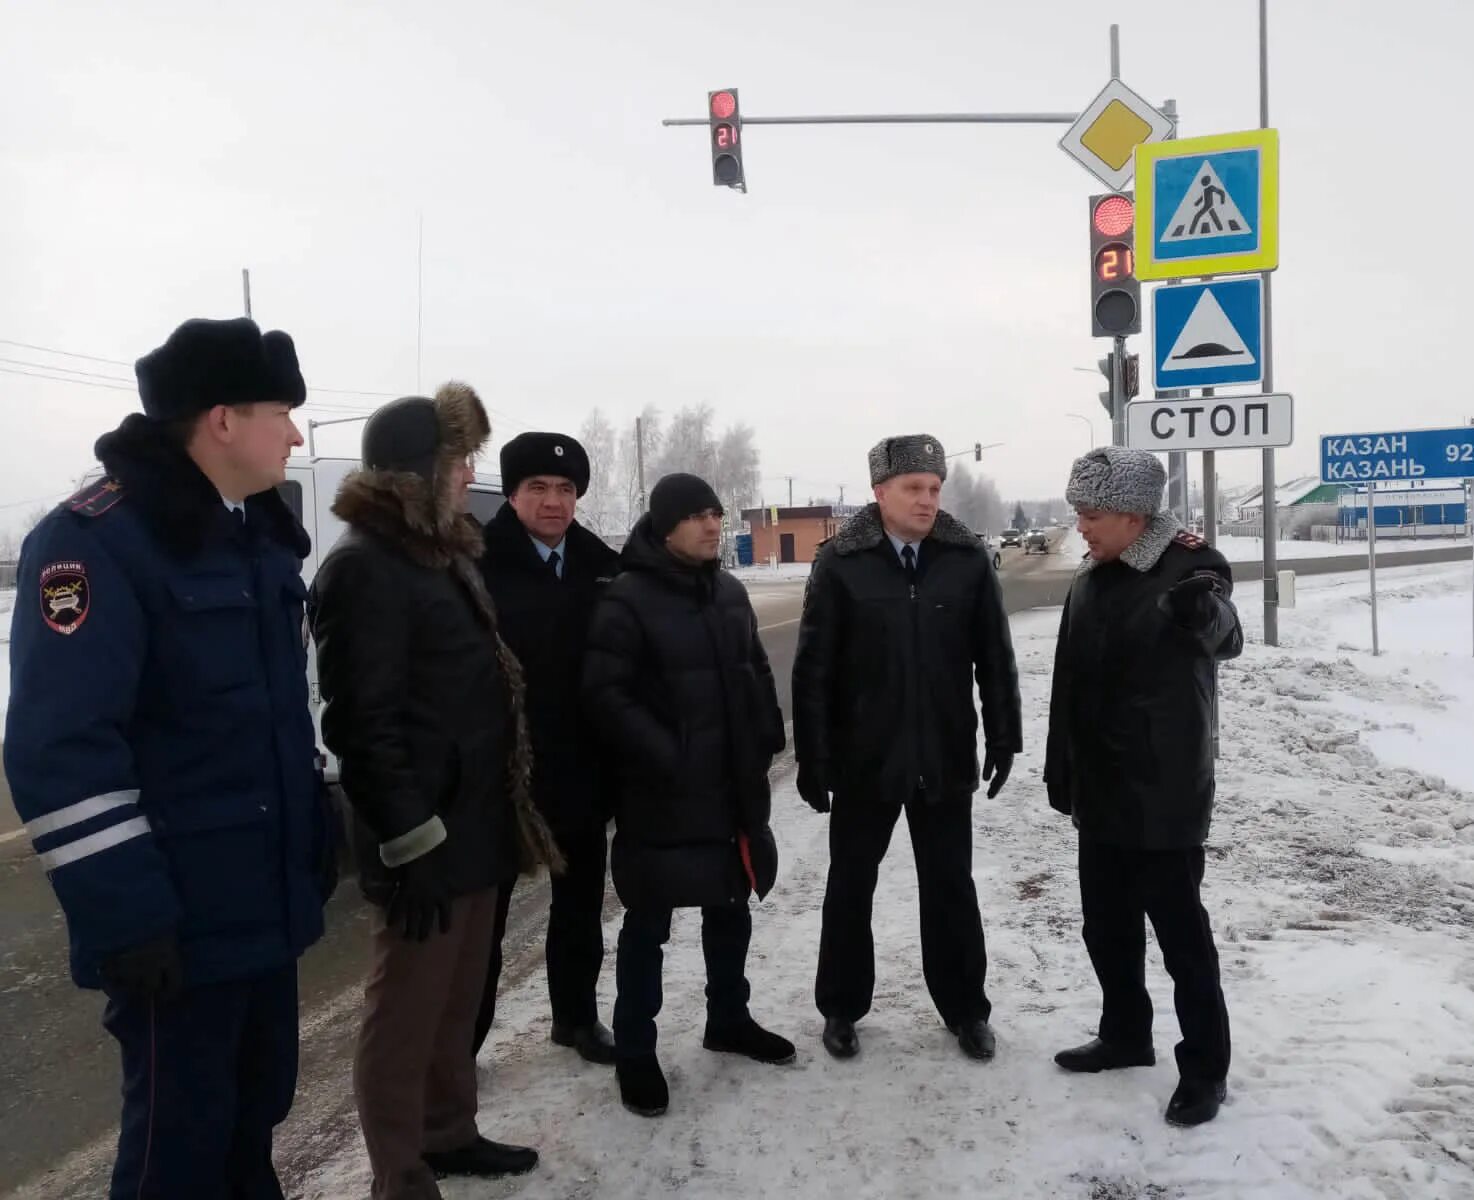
column 1105, row 138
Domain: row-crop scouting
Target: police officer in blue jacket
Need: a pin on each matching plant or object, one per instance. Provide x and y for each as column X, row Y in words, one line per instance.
column 160, row 749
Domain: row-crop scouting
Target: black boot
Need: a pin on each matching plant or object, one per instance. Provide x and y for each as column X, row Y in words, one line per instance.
column 642, row 1085
column 594, row 1043
column 1196, row 1101
column 749, row 1039
column 976, row 1039
column 482, row 1158
column 840, row 1038
column 1096, row 1055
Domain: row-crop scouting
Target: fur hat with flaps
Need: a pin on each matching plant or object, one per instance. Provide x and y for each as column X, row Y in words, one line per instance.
column 1117, row 479
column 411, row 447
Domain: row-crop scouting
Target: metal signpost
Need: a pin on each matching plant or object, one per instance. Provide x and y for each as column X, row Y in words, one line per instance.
column 1372, row 458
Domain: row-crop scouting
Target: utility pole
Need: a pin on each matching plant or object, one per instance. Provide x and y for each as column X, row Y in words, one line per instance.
column 419, row 302
column 790, row 490
column 640, row 461
column 246, row 288
column 1271, row 517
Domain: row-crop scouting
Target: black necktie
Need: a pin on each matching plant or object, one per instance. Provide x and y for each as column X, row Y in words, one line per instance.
column 553, row 561
column 908, row 560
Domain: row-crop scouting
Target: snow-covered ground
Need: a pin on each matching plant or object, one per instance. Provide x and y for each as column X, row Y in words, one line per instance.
column 1341, row 887
column 1248, row 549
column 765, row 574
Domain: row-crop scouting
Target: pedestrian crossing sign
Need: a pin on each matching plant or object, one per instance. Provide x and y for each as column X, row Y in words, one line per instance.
column 1208, row 205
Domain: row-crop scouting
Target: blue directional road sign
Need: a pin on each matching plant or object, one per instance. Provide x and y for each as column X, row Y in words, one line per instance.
column 1411, row 454
column 1208, row 334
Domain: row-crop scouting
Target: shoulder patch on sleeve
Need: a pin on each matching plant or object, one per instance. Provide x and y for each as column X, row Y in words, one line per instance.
column 66, row 596
column 1191, row 540
column 96, row 498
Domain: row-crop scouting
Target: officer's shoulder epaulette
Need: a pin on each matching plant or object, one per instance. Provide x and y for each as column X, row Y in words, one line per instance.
column 96, row 498
column 1191, row 540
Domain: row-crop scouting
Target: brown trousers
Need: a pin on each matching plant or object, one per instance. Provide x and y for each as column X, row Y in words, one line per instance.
column 414, row 1076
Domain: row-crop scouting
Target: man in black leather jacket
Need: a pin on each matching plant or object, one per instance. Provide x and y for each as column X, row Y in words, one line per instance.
column 424, row 709
column 903, row 615
column 1130, row 758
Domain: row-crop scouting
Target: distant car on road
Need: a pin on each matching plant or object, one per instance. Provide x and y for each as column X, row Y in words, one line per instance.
column 991, row 549
column 1036, row 539
column 1012, row 537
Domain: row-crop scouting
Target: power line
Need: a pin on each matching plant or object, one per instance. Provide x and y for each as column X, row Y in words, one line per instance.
column 22, row 362
column 112, row 387
column 115, row 362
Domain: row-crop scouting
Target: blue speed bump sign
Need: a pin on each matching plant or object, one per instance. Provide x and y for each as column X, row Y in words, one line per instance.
column 1208, row 334
column 1208, row 206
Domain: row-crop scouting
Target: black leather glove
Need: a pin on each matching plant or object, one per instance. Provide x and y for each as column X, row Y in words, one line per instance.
column 150, row 971
column 996, row 766
column 814, row 789
column 420, row 898
column 1183, row 602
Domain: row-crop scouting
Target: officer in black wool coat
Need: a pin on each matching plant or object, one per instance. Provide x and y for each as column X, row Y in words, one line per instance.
column 1130, row 758
column 545, row 573
column 902, row 618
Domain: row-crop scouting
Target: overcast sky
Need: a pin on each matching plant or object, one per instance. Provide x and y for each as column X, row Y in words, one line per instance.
column 873, row 280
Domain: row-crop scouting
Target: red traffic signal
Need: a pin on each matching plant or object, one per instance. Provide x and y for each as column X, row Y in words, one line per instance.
column 1115, row 294
column 1114, row 215
column 724, row 117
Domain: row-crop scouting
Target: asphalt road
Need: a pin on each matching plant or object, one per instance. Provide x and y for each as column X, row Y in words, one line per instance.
column 58, row 1108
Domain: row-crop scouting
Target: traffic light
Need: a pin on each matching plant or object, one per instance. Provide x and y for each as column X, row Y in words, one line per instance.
column 1115, row 293
column 1131, row 376
column 977, row 452
column 1105, row 366
column 725, row 120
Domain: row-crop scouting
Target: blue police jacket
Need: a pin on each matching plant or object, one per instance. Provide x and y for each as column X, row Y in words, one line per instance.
column 159, row 744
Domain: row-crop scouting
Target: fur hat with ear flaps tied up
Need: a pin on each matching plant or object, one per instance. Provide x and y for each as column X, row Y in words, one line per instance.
column 1117, row 479
column 406, row 494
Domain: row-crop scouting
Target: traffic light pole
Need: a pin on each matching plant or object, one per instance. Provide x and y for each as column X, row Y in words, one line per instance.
column 901, row 119
column 1118, row 393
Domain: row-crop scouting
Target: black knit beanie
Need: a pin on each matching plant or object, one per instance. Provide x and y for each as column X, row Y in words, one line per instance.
column 677, row 497
column 403, row 435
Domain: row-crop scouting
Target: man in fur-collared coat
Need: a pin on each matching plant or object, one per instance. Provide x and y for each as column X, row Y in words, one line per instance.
column 902, row 616
column 424, row 708
column 1130, row 758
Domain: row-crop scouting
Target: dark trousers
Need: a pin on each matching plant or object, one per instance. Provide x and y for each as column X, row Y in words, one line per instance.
column 954, row 958
column 207, row 1076
column 1119, row 887
column 575, row 943
column 725, row 935
column 413, row 1080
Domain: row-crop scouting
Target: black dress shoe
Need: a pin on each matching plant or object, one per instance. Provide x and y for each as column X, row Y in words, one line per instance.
column 840, row 1038
column 976, row 1039
column 1096, row 1055
column 1196, row 1101
column 482, row 1158
column 594, row 1043
column 750, row 1040
column 642, row 1085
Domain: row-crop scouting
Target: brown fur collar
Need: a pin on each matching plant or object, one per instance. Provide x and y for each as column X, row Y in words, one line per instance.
column 402, row 508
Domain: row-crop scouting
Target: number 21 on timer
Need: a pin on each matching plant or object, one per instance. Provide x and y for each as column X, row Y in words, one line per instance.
column 726, row 135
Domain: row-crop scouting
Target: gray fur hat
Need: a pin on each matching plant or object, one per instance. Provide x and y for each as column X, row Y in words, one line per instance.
column 907, row 455
column 1117, row 479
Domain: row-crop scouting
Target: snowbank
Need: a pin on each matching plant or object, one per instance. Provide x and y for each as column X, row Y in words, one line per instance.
column 1341, row 887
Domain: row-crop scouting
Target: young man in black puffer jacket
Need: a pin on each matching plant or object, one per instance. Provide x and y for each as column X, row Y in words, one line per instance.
column 678, row 683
